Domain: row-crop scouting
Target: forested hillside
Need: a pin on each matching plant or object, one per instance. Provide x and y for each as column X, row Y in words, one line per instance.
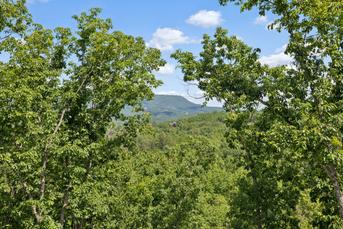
column 182, row 176
column 168, row 107
column 173, row 132
column 73, row 156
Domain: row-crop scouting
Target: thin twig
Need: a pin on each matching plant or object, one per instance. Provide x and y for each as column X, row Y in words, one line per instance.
column 47, row 146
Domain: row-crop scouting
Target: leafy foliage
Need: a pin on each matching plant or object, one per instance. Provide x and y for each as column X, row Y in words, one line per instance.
column 54, row 134
column 71, row 157
column 286, row 119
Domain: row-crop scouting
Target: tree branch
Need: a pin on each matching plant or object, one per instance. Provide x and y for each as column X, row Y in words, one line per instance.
column 35, row 211
column 47, row 146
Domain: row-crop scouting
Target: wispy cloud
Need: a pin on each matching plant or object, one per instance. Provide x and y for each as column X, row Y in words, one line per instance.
column 167, row 69
column 170, row 93
column 261, row 20
column 205, row 18
column 277, row 58
column 195, row 95
column 166, row 38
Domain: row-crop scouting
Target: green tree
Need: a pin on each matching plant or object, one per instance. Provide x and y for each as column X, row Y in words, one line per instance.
column 14, row 17
column 188, row 185
column 316, row 43
column 57, row 135
column 288, row 115
column 229, row 70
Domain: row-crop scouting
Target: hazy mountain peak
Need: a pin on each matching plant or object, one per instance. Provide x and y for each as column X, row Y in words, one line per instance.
column 166, row 107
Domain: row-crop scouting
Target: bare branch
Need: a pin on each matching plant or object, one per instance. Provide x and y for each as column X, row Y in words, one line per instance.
column 194, row 97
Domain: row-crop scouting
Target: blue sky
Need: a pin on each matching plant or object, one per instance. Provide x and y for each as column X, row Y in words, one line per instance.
column 170, row 25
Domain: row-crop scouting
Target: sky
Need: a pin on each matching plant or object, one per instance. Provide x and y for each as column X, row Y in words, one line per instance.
column 170, row 25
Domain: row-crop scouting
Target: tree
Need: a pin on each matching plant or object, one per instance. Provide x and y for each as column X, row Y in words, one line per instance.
column 14, row 17
column 283, row 114
column 316, row 43
column 228, row 70
column 57, row 135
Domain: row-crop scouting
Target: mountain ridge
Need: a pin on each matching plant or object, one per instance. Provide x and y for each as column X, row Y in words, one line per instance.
column 169, row 107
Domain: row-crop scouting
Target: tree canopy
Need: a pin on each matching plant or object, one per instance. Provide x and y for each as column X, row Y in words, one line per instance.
column 70, row 157
column 60, row 93
column 288, row 119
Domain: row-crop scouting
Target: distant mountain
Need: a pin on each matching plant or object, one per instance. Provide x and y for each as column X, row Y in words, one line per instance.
column 168, row 107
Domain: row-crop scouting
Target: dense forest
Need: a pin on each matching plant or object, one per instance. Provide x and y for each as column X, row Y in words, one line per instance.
column 72, row 157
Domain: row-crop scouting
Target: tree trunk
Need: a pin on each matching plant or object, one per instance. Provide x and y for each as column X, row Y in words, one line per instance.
column 331, row 171
column 64, row 205
column 35, row 211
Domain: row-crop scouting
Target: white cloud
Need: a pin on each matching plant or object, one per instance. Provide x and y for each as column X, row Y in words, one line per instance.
column 165, row 38
column 169, row 93
column 167, row 69
column 281, row 49
column 261, row 20
column 195, row 96
column 275, row 26
column 277, row 58
column 205, row 18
